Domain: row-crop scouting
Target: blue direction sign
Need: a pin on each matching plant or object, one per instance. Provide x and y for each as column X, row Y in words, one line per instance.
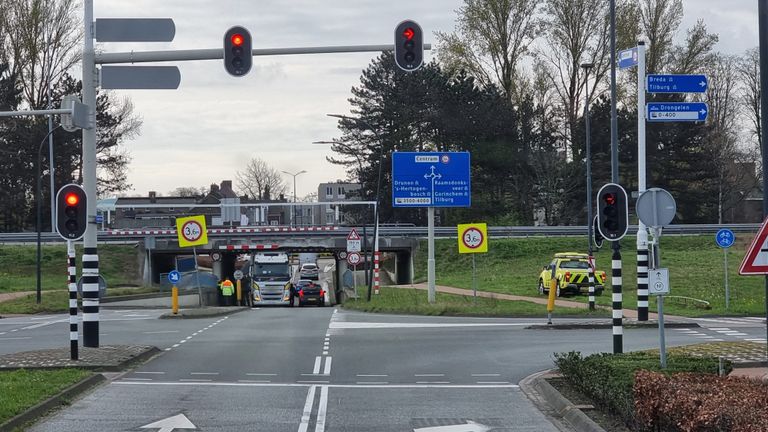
column 174, row 277
column 439, row 179
column 677, row 111
column 725, row 238
column 628, row 58
column 676, row 83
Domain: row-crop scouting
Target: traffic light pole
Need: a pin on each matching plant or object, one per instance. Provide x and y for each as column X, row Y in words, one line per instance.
column 762, row 13
column 90, row 254
column 642, row 231
column 618, row 330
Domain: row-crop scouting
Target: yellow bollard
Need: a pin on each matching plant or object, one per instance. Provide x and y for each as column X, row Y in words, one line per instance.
column 175, row 300
column 551, row 297
column 239, row 293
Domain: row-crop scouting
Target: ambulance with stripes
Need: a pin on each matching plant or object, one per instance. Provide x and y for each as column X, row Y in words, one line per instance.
column 572, row 275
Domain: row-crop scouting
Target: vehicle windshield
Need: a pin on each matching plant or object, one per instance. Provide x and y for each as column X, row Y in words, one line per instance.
column 270, row 270
column 574, row 265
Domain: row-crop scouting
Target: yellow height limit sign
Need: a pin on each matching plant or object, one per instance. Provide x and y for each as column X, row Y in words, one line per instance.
column 473, row 239
column 191, row 231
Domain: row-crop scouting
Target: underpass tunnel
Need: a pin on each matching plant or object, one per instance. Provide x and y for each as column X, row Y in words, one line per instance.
column 161, row 263
column 228, row 266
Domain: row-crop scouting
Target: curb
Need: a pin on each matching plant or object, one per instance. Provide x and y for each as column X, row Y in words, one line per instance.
column 208, row 314
column 62, row 398
column 140, row 358
column 563, row 409
column 592, row 326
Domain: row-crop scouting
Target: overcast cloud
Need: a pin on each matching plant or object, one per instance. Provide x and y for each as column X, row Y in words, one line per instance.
column 208, row 129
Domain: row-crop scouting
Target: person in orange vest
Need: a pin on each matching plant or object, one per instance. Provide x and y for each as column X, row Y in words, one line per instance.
column 227, row 291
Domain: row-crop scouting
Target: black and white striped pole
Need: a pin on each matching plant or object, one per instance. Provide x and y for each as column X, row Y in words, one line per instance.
column 72, row 273
column 642, row 231
column 90, row 298
column 613, row 222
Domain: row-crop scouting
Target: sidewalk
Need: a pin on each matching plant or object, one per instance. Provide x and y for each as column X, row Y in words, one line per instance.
column 628, row 313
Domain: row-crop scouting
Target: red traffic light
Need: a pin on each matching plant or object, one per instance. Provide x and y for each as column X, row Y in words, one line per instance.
column 408, row 33
column 610, row 198
column 72, row 199
column 237, row 39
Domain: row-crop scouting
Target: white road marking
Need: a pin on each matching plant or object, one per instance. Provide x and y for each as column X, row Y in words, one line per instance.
column 372, row 375
column 322, row 408
column 327, row 368
column 162, row 331
column 195, row 380
column 429, row 375
column 325, row 352
column 433, row 382
column 167, row 349
column 16, row 338
column 353, row 325
column 150, row 373
column 316, row 369
column 189, row 337
column 203, row 373
column 254, row 381
column 176, row 345
column 493, row 382
column 138, row 379
column 485, row 375
column 312, row 384
column 47, row 323
column 181, row 342
column 372, row 382
column 307, row 413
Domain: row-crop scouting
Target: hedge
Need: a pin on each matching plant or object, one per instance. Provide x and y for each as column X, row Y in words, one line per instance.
column 608, row 379
column 700, row 403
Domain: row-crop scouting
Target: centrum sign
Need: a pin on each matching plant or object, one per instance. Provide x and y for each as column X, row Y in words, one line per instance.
column 439, row 179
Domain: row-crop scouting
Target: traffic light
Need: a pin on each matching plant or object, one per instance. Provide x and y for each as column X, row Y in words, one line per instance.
column 237, row 51
column 596, row 236
column 71, row 212
column 409, row 46
column 612, row 212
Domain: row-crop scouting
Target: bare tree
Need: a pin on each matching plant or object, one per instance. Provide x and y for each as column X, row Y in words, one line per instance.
column 749, row 73
column 259, row 179
column 659, row 21
column 490, row 40
column 40, row 39
column 189, row 191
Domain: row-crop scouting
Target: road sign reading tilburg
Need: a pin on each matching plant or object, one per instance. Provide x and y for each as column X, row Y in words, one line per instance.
column 725, row 238
column 431, row 179
column 676, row 83
column 354, row 243
column 473, row 238
column 628, row 58
column 676, row 111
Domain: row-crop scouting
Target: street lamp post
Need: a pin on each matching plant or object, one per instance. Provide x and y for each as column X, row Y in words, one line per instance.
column 38, row 192
column 293, row 213
column 587, row 67
column 378, row 189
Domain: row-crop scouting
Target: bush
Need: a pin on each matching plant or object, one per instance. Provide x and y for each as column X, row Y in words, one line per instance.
column 695, row 402
column 608, row 379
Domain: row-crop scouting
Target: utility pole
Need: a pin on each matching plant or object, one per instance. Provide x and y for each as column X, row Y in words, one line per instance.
column 293, row 213
column 762, row 13
column 587, row 127
column 618, row 330
column 642, row 231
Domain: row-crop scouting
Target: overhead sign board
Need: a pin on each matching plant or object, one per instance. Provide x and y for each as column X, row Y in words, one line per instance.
column 725, row 238
column 658, row 281
column 140, row 77
column 134, row 29
column 191, row 231
column 676, row 83
column 677, row 111
column 354, row 242
column 473, row 238
column 431, row 179
column 628, row 58
column 756, row 260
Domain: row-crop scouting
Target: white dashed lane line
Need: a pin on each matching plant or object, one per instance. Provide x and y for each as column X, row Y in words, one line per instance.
column 176, row 345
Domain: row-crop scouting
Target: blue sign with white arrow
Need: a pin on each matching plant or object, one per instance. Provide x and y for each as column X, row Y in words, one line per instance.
column 677, row 112
column 174, row 277
column 725, row 238
column 430, row 179
column 628, row 58
column 676, row 83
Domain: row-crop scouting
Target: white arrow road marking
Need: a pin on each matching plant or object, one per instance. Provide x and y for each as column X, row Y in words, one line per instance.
column 468, row 427
column 179, row 421
column 390, row 325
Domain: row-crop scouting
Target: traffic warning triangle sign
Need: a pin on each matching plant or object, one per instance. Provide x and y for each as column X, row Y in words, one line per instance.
column 756, row 260
column 353, row 235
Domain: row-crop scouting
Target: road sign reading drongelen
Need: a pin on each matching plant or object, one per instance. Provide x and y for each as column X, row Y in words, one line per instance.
column 437, row 179
column 756, row 260
column 354, row 242
column 191, row 231
column 473, row 238
column 676, row 111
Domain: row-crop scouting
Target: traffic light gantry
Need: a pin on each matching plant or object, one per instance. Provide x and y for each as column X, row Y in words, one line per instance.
column 612, row 212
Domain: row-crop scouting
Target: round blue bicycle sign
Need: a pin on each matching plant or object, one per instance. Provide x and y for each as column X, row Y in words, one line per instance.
column 174, row 277
column 725, row 238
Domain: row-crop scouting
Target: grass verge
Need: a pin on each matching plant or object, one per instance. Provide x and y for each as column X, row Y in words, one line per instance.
column 58, row 300
column 695, row 263
column 22, row 389
column 414, row 302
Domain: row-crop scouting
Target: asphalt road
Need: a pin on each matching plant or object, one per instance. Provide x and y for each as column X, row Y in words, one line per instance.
column 318, row 369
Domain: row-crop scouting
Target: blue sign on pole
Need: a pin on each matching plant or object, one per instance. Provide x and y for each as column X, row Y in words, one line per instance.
column 430, row 179
column 677, row 111
column 628, row 58
column 676, row 83
column 174, row 277
column 725, row 238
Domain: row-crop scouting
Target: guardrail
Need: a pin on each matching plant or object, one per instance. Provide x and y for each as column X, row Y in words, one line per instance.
column 117, row 236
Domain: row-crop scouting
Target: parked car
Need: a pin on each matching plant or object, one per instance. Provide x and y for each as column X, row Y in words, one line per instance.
column 309, row 271
column 309, row 291
column 571, row 274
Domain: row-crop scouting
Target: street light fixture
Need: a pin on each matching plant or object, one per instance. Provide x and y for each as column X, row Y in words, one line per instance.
column 293, row 213
column 378, row 188
column 587, row 67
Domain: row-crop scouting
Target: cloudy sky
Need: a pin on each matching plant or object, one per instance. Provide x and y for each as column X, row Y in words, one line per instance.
column 209, row 128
